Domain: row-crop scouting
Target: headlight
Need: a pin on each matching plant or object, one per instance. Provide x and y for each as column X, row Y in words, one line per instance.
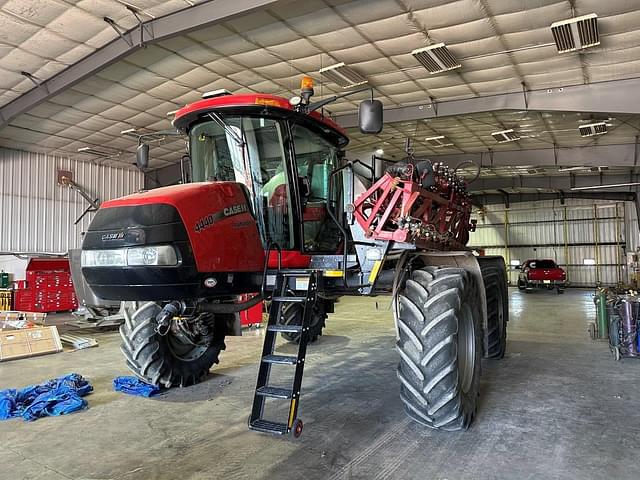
column 163, row 255
column 104, row 258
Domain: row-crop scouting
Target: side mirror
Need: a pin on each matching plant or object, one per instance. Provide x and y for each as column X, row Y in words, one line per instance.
column 142, row 156
column 370, row 116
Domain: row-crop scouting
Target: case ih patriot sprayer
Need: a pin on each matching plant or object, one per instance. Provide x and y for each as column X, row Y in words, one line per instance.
column 273, row 207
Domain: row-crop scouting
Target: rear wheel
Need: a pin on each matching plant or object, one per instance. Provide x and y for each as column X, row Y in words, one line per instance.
column 521, row 285
column 495, row 287
column 440, row 347
column 181, row 357
column 292, row 315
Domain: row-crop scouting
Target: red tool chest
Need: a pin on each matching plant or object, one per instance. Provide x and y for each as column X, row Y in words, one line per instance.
column 252, row 316
column 48, row 287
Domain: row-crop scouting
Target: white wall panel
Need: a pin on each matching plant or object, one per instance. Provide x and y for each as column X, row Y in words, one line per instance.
column 37, row 214
column 538, row 230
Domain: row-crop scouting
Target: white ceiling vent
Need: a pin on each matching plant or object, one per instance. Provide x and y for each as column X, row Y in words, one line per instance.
column 344, row 76
column 576, row 33
column 591, row 129
column 436, row 58
column 506, row 136
column 439, row 141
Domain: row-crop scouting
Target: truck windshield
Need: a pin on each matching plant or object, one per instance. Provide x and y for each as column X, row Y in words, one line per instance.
column 248, row 150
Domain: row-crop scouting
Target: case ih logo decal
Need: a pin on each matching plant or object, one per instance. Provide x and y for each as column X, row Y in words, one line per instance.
column 107, row 237
column 206, row 222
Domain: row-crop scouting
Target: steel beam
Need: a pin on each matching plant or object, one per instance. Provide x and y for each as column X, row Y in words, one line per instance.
column 621, row 155
column 561, row 183
column 496, row 198
column 617, row 96
column 192, row 18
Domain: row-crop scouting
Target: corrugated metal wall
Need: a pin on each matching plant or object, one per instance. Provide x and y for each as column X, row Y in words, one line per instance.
column 37, row 214
column 569, row 234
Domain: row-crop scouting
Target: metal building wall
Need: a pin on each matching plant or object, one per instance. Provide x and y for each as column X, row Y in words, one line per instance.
column 568, row 233
column 37, row 214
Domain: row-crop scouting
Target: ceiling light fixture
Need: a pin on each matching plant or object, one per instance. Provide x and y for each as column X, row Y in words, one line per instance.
column 506, row 136
column 98, row 153
column 343, row 76
column 438, row 141
column 436, row 58
column 221, row 92
column 592, row 129
column 610, row 185
column 576, row 33
column 583, row 168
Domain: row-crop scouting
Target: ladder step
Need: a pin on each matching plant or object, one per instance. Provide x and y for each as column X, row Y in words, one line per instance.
column 281, row 359
column 274, row 392
column 285, row 328
column 266, row 426
column 289, row 299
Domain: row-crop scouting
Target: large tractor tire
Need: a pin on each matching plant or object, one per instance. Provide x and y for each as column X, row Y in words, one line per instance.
column 496, row 291
column 170, row 359
column 440, row 347
column 292, row 315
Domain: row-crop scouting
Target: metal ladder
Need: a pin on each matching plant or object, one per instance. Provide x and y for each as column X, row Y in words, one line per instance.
column 286, row 282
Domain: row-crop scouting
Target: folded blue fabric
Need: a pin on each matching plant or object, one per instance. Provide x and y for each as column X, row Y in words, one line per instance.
column 58, row 396
column 134, row 386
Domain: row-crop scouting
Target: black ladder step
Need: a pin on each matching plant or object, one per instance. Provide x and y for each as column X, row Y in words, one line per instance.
column 274, row 392
column 285, row 328
column 281, row 359
column 289, row 299
column 266, row 426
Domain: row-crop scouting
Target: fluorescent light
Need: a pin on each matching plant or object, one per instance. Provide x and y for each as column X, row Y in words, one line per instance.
column 576, row 33
column 343, row 76
column 588, row 261
column 438, row 141
column 592, row 129
column 127, row 131
column 436, row 58
column 610, row 185
column 216, row 93
column 506, row 136
column 171, row 113
column 514, row 263
column 583, row 168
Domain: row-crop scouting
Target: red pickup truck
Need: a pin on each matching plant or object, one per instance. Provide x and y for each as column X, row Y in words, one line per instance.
column 541, row 274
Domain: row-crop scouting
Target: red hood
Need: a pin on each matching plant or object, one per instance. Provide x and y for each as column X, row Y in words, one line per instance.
column 173, row 195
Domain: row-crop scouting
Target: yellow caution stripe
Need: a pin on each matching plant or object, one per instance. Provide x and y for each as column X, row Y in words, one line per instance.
column 292, row 411
column 332, row 273
column 374, row 271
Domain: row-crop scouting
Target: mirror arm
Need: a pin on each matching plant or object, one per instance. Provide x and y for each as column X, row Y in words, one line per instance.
column 312, row 107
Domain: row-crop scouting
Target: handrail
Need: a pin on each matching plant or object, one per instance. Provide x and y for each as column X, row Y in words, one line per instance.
column 266, row 265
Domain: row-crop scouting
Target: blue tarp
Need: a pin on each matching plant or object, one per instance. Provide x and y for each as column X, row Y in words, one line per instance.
column 57, row 396
column 134, row 386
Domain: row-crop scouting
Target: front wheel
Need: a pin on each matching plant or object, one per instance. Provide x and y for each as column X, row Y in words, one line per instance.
column 440, row 347
column 292, row 315
column 181, row 356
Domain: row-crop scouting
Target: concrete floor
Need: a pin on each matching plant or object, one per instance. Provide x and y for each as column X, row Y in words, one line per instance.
column 557, row 407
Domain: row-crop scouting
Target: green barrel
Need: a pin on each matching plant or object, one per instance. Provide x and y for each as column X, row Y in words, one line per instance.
column 602, row 315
